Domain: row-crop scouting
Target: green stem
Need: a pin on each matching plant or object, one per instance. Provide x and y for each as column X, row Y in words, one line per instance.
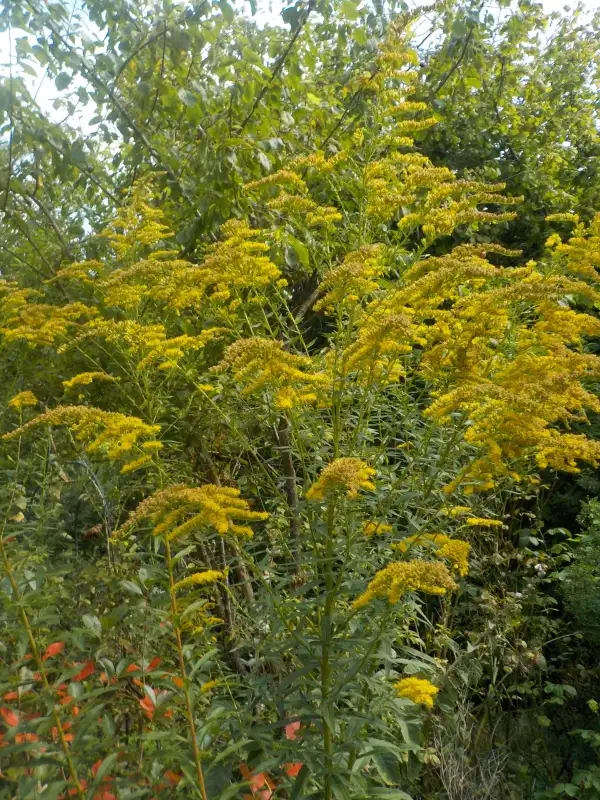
column 326, row 647
column 186, row 689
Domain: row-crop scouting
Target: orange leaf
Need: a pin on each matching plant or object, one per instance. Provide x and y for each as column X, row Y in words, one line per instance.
column 11, row 696
column 258, row 782
column 133, row 668
column 148, row 707
column 87, row 670
column 9, row 716
column 173, row 777
column 104, row 794
column 73, row 792
column 21, row 738
column 292, row 768
column 291, row 729
column 177, row 681
column 154, row 664
column 53, row 650
column 96, row 767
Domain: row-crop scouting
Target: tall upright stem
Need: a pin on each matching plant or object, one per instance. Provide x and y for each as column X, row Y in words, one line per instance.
column 326, row 645
column 186, row 689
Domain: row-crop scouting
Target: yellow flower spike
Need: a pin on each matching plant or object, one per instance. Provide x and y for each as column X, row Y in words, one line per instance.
column 85, row 378
column 456, row 511
column 237, row 262
column 107, row 433
column 419, row 690
column 400, row 577
column 207, row 506
column 482, row 522
column 352, row 280
column 23, row 399
column 204, row 578
column 283, row 177
column 348, row 474
column 372, row 528
column 263, row 364
column 38, row 324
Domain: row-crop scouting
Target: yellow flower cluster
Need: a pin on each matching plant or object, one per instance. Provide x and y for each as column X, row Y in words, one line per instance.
column 291, row 203
column 181, row 510
column 418, row 690
column 372, row 528
column 384, row 337
column 135, row 337
column 318, row 163
column 23, row 399
column 236, row 263
column 107, row 433
column 406, row 185
column 137, row 224
column 85, row 378
column 482, row 522
column 400, row 577
column 148, row 343
column 454, row 550
column 40, row 324
column 203, row 578
column 324, row 216
column 352, row 280
column 346, row 474
column 456, row 511
column 580, row 252
column 169, row 351
column 263, row 364
column 282, row 178
column 82, row 271
column 499, row 346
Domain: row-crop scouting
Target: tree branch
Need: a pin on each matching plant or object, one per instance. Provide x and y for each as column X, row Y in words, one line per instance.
column 456, row 64
column 278, row 66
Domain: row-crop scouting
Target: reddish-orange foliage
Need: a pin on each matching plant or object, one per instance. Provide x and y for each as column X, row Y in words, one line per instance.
column 53, row 650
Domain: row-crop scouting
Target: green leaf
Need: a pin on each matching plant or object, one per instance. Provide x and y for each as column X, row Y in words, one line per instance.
column 62, row 81
column 105, row 766
column 388, row 767
column 227, row 11
column 231, row 749
column 131, row 587
column 299, row 782
column 187, row 98
column 301, row 251
column 92, row 623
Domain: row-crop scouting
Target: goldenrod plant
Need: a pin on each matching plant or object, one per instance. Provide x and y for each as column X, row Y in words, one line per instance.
column 251, row 486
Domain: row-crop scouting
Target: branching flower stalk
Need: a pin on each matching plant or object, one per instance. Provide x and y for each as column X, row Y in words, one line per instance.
column 182, row 671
